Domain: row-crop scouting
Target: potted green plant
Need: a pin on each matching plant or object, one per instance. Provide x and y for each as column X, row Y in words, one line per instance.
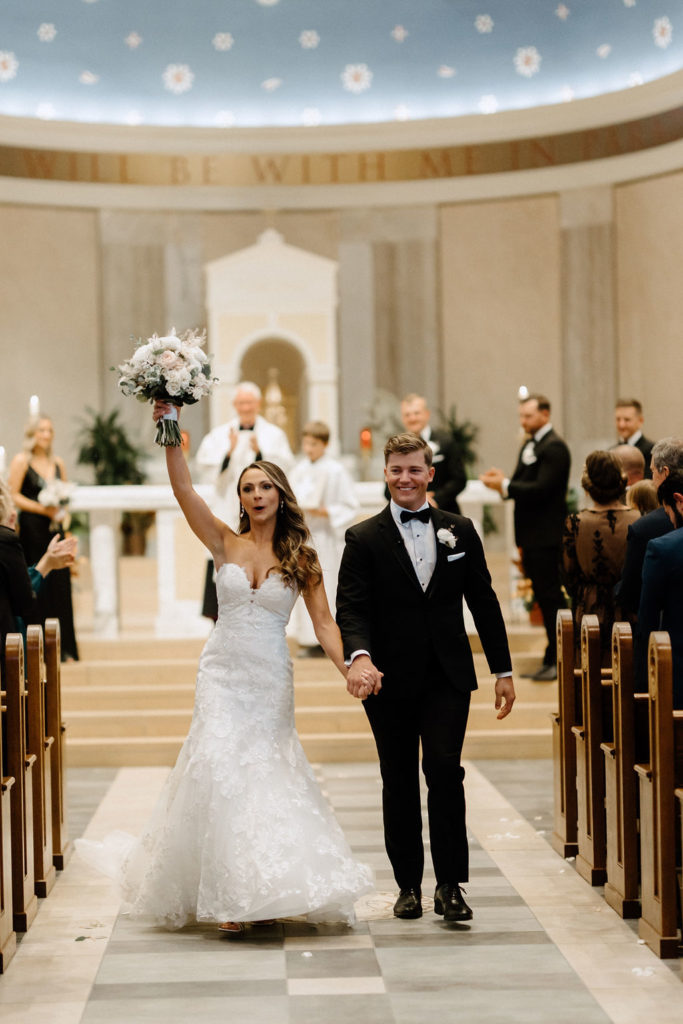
column 115, row 460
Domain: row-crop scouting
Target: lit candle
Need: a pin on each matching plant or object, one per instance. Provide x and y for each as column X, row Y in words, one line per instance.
column 523, row 393
column 34, row 406
column 2, row 460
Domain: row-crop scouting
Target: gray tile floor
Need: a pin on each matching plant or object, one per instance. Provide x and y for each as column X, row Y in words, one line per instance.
column 503, row 967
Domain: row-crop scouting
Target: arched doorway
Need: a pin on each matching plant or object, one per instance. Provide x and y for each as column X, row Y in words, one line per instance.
column 257, row 365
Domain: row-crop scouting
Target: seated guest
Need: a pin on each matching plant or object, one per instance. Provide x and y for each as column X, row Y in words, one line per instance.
column 632, row 462
column 667, row 456
column 642, row 496
column 20, row 583
column 661, row 598
column 594, row 546
column 629, row 423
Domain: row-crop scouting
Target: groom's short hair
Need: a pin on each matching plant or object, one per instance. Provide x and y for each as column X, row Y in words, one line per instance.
column 406, row 444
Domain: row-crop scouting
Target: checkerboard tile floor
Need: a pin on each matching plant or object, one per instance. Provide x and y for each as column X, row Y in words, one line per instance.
column 517, row 961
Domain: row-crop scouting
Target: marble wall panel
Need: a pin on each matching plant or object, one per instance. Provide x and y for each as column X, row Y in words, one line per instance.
column 649, row 257
column 50, row 321
column 500, row 315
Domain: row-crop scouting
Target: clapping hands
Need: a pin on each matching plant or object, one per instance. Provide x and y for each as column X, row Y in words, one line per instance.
column 363, row 678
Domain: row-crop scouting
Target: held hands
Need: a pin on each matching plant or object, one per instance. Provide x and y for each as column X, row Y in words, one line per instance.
column 363, row 678
column 505, row 696
column 493, row 478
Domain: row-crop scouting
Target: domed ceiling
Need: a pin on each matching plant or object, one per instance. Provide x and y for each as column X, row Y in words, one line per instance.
column 310, row 62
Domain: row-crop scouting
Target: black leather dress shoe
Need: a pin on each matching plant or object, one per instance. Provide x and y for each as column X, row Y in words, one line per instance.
column 545, row 674
column 449, row 903
column 408, row 904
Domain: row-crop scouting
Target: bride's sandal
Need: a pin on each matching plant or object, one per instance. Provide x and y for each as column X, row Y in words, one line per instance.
column 265, row 923
column 232, row 927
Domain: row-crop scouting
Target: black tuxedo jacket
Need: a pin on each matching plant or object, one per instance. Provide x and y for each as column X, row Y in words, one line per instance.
column 381, row 607
column 450, row 477
column 645, row 445
column 540, row 493
column 645, row 529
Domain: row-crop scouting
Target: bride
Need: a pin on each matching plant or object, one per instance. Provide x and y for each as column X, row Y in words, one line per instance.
column 241, row 831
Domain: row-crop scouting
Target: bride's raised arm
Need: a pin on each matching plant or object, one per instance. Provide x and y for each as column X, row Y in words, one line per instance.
column 201, row 520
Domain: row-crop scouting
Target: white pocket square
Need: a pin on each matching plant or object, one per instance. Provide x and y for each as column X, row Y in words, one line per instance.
column 454, row 558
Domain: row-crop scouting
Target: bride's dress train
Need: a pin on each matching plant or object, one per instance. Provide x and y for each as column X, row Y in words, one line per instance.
column 241, row 831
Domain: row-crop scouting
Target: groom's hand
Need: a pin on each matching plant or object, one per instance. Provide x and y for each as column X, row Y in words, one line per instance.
column 363, row 678
column 505, row 696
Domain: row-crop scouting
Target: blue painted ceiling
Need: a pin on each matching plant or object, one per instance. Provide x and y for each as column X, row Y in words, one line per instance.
column 309, row 62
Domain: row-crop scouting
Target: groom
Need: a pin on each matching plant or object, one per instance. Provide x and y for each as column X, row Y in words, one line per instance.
column 402, row 580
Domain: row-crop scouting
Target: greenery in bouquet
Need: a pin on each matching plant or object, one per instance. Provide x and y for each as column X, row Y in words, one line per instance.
column 170, row 368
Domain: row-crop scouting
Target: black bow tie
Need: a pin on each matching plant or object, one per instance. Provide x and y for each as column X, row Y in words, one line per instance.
column 244, row 428
column 423, row 515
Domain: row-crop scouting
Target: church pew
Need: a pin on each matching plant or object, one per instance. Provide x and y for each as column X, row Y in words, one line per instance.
column 20, row 766
column 39, row 745
column 595, row 726
column 8, row 936
column 563, row 838
column 62, row 847
column 679, row 799
column 629, row 744
column 657, row 781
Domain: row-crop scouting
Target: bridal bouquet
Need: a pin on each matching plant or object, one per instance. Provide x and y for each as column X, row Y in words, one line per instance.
column 173, row 369
column 58, row 493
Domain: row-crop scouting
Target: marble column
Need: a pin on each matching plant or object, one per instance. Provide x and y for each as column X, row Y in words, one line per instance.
column 389, row 320
column 589, row 343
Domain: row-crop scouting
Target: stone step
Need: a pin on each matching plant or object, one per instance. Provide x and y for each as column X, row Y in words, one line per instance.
column 166, row 694
column 522, row 639
column 319, row 747
column 346, row 718
column 127, row 673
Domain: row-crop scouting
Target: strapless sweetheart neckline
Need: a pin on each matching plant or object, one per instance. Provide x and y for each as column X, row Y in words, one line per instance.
column 243, row 572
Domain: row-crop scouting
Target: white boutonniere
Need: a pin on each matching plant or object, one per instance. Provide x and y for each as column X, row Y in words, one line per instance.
column 447, row 537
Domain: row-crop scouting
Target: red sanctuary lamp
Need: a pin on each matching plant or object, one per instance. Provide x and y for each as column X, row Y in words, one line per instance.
column 365, row 443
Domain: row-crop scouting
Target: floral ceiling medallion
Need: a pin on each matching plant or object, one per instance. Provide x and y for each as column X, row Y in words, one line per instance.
column 258, row 63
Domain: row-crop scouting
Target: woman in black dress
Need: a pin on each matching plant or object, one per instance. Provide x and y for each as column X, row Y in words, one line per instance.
column 31, row 471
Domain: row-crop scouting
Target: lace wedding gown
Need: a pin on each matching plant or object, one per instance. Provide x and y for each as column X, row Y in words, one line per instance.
column 241, row 831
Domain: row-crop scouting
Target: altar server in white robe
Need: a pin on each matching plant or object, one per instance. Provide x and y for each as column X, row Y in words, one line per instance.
column 326, row 493
column 225, row 452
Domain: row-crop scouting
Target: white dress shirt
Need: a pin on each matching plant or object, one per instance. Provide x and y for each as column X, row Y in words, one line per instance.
column 420, row 541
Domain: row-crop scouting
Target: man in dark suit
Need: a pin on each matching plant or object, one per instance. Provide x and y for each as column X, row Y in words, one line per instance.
column 450, row 477
column 628, row 415
column 402, row 580
column 661, row 598
column 539, row 488
column 667, row 457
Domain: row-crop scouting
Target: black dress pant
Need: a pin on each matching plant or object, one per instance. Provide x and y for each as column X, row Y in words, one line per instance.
column 436, row 716
column 542, row 566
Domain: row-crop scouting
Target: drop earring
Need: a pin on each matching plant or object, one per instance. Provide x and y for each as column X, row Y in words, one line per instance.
column 242, row 511
column 282, row 504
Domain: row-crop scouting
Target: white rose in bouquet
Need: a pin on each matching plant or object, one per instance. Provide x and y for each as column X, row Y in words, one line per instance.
column 57, row 493
column 171, row 368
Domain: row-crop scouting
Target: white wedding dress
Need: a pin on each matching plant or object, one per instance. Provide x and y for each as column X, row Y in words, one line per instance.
column 241, row 831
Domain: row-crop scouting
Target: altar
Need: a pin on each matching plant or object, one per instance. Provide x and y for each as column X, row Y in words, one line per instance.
column 181, row 557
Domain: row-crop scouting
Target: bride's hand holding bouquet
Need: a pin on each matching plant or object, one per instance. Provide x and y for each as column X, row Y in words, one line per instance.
column 171, row 370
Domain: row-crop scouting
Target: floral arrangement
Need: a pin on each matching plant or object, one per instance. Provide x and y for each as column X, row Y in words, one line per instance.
column 173, row 369
column 447, row 537
column 57, row 493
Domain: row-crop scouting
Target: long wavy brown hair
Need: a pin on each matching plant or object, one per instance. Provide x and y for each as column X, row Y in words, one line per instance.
column 297, row 558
